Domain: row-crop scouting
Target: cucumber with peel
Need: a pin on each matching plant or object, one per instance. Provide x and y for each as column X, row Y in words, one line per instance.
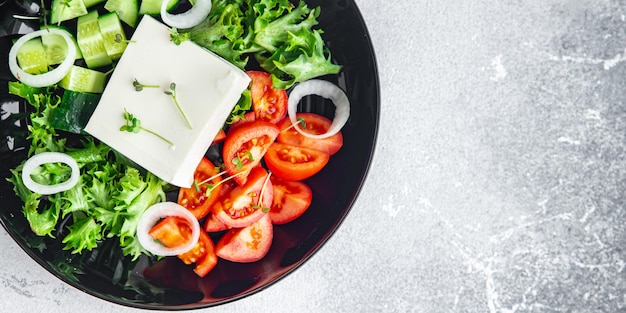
column 56, row 47
column 82, row 79
column 153, row 7
column 90, row 41
column 31, row 57
column 63, row 10
column 127, row 10
column 113, row 34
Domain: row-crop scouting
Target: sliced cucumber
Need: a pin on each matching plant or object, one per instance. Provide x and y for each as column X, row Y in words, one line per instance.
column 153, row 7
column 91, row 3
column 74, row 111
column 90, row 41
column 31, row 57
column 82, row 79
column 55, row 46
column 113, row 34
column 127, row 10
column 63, row 10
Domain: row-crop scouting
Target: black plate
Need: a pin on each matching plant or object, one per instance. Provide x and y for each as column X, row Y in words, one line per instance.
column 106, row 274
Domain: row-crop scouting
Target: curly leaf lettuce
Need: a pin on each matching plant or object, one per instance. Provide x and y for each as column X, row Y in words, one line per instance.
column 108, row 199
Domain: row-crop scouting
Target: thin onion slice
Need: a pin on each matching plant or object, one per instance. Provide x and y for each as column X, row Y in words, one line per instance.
column 153, row 215
column 324, row 89
column 49, row 78
column 44, row 158
column 189, row 18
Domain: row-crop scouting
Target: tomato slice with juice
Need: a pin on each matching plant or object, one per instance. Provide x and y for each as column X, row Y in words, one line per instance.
column 268, row 103
column 312, row 123
column 248, row 244
column 242, row 205
column 294, row 163
column 291, row 199
column 195, row 198
column 245, row 146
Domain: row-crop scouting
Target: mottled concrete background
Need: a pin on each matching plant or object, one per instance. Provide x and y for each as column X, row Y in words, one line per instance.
column 499, row 180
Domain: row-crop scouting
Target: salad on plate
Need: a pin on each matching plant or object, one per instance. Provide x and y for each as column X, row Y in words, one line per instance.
column 131, row 102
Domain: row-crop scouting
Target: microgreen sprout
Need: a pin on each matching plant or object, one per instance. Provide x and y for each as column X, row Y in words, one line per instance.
column 300, row 121
column 176, row 37
column 119, row 39
column 259, row 204
column 139, row 86
column 172, row 93
column 237, row 162
column 210, row 187
column 133, row 125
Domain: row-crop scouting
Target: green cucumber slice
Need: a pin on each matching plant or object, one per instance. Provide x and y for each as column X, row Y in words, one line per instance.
column 90, row 41
column 55, row 46
column 74, row 111
column 153, row 7
column 63, row 10
column 91, row 3
column 127, row 10
column 113, row 34
column 82, row 79
column 31, row 57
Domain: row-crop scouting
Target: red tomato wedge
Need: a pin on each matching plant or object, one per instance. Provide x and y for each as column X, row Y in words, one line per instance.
column 245, row 146
column 315, row 124
column 171, row 231
column 268, row 103
column 195, row 198
column 219, row 137
column 248, row 244
column 213, row 224
column 248, row 117
column 203, row 255
column 242, row 206
column 294, row 163
column 291, row 200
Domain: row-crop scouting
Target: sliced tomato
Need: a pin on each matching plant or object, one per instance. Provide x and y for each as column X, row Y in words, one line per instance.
column 248, row 244
column 294, row 163
column 203, row 255
column 242, row 206
column 213, row 224
column 268, row 103
column 195, row 198
column 291, row 199
column 219, row 137
column 247, row 117
column 315, row 124
column 245, row 146
column 171, row 231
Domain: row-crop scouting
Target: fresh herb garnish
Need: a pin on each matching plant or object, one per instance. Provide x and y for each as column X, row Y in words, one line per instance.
column 172, row 93
column 178, row 38
column 139, row 86
column 133, row 125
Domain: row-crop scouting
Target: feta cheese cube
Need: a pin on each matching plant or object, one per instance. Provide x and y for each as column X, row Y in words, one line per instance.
column 207, row 89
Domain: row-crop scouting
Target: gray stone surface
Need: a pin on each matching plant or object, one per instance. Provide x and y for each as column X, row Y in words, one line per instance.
column 499, row 180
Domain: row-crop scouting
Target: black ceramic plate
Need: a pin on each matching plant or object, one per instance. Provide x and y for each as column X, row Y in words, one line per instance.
column 106, row 274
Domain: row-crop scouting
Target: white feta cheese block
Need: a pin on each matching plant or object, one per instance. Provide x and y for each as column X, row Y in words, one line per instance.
column 207, row 89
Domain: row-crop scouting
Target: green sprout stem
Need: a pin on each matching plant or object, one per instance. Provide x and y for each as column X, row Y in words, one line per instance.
column 172, row 93
column 260, row 202
column 133, row 125
column 139, row 86
column 300, row 120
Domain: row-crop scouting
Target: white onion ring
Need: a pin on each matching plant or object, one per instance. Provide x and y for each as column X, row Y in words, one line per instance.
column 49, row 78
column 189, row 18
column 324, row 89
column 161, row 210
column 44, row 158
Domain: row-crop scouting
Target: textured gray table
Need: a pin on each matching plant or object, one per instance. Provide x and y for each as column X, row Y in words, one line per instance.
column 499, row 180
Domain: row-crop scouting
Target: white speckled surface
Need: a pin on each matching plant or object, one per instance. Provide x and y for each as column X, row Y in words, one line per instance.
column 498, row 184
